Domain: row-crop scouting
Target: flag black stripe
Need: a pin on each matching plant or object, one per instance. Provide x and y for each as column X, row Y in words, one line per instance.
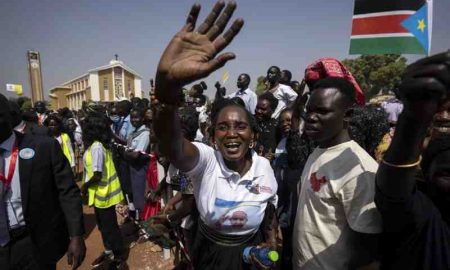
column 372, row 6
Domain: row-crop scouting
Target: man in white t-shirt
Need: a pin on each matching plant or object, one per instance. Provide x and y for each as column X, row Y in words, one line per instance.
column 337, row 224
column 284, row 93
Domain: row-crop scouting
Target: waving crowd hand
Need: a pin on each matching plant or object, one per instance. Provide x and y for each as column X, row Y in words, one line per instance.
column 192, row 55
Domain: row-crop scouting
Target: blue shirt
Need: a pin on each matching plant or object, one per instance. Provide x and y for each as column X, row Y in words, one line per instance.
column 125, row 127
column 249, row 97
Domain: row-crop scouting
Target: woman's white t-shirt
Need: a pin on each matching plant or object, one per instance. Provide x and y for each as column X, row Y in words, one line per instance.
column 227, row 202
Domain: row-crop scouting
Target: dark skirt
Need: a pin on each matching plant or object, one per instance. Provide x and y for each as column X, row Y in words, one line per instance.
column 138, row 177
column 208, row 254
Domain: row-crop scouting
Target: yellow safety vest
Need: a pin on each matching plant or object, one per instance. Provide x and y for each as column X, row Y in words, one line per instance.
column 65, row 140
column 107, row 192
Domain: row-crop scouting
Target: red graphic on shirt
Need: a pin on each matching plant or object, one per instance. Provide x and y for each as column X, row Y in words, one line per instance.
column 316, row 183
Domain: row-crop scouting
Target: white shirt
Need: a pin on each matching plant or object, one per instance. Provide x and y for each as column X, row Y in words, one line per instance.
column 248, row 96
column 226, row 201
column 13, row 197
column 285, row 95
column 20, row 127
column 97, row 157
column 336, row 199
column 141, row 141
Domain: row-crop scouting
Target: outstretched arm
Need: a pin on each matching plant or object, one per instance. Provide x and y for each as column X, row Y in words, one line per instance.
column 190, row 55
column 425, row 86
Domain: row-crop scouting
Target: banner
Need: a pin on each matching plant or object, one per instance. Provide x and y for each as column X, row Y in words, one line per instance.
column 16, row 88
column 391, row 26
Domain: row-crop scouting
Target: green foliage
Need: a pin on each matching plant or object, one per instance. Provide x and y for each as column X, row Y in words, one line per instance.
column 260, row 86
column 376, row 73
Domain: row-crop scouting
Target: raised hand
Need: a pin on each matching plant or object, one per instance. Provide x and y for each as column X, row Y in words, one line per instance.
column 426, row 85
column 192, row 55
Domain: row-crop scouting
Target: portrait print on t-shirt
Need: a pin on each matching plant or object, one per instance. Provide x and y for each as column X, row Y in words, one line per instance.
column 236, row 216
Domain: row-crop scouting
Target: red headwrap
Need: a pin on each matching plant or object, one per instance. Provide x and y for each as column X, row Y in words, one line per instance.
column 330, row 67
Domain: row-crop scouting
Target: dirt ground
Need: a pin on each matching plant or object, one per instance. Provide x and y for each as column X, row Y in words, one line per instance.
column 140, row 256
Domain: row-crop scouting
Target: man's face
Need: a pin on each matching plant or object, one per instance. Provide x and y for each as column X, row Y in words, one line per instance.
column 242, row 82
column 273, row 75
column 263, row 110
column 40, row 107
column 284, row 78
column 325, row 116
column 441, row 120
column 54, row 128
column 5, row 120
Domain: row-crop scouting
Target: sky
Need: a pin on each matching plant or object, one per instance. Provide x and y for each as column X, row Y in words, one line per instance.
column 74, row 36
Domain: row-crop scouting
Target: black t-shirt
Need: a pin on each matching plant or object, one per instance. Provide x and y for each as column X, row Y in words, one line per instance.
column 415, row 234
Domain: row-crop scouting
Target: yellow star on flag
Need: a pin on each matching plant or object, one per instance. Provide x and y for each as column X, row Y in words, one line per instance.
column 421, row 25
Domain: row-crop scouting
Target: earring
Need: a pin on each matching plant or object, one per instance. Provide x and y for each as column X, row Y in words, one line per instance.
column 215, row 146
column 251, row 145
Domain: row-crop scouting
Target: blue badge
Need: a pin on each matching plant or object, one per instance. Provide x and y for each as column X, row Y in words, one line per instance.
column 26, row 153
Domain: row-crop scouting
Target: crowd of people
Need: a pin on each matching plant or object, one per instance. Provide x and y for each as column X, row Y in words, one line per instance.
column 308, row 168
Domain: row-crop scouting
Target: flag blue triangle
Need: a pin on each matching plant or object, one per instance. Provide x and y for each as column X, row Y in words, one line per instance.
column 419, row 26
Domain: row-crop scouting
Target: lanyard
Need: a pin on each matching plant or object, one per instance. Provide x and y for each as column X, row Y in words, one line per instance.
column 12, row 166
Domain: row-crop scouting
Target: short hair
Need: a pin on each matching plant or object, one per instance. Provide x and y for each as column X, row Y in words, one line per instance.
column 285, row 110
column 342, row 85
column 189, row 122
column 279, row 70
column 139, row 110
column 288, row 73
column 238, row 101
column 221, row 104
column 55, row 117
column 271, row 98
column 246, row 76
column 125, row 104
column 136, row 102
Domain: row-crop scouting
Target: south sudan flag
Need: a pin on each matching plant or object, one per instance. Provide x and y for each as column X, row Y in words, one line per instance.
column 391, row 26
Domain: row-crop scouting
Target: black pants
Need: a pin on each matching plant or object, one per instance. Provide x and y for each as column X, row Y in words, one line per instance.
column 20, row 254
column 108, row 227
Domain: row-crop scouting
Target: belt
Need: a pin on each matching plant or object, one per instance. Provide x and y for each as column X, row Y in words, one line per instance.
column 230, row 240
column 18, row 233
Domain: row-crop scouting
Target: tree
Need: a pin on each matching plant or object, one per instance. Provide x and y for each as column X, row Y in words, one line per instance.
column 260, row 86
column 377, row 73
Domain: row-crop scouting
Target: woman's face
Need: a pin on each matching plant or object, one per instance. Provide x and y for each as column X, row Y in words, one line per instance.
column 136, row 119
column 53, row 127
column 285, row 122
column 71, row 124
column 233, row 133
column 149, row 115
